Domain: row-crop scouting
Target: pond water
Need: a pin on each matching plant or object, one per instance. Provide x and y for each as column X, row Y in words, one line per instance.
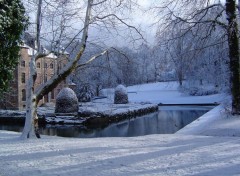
column 167, row 120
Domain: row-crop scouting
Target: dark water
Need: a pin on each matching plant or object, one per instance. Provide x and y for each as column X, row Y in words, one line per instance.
column 167, row 120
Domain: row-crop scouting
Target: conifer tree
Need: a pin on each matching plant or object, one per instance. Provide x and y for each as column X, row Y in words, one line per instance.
column 12, row 24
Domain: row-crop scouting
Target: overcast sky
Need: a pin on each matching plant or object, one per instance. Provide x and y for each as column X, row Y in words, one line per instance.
column 141, row 17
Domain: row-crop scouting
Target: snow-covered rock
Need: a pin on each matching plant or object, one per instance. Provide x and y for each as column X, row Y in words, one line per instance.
column 120, row 95
column 66, row 101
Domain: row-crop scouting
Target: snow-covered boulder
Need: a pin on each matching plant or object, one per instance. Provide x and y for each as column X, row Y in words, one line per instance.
column 66, row 101
column 120, row 95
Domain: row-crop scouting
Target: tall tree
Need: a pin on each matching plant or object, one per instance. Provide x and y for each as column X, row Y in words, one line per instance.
column 233, row 44
column 195, row 14
column 12, row 24
column 33, row 97
column 104, row 14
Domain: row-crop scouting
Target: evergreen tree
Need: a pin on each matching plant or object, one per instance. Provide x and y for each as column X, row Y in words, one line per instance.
column 12, row 24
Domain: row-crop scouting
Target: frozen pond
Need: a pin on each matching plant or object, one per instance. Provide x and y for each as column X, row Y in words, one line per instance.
column 167, row 120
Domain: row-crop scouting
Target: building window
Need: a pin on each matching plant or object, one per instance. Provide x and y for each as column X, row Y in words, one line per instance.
column 38, row 65
column 22, row 63
column 23, row 77
column 52, row 94
column 45, row 65
column 23, row 95
column 51, row 65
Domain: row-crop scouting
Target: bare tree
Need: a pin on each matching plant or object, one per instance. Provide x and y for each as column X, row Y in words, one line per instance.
column 196, row 14
column 98, row 13
column 181, row 52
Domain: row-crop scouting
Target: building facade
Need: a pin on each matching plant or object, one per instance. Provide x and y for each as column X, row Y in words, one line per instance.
column 46, row 67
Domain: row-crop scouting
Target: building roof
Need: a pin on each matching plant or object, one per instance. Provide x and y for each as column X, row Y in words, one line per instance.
column 52, row 55
column 32, row 51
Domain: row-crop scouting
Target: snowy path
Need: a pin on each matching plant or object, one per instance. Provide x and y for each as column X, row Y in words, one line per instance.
column 146, row 155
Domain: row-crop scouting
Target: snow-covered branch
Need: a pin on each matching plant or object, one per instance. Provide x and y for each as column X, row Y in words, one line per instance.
column 93, row 58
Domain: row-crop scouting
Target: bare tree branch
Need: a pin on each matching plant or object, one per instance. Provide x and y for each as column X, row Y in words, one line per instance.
column 65, row 71
column 98, row 3
column 123, row 22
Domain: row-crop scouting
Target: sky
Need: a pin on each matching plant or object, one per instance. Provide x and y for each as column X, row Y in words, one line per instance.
column 140, row 17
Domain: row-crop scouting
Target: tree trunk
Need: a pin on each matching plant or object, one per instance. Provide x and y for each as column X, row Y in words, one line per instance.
column 233, row 44
column 180, row 77
column 31, row 122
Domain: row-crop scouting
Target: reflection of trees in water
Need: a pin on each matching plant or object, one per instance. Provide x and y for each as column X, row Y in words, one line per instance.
column 163, row 122
column 172, row 121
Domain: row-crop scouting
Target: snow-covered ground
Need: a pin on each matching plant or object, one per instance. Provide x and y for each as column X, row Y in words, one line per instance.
column 165, row 93
column 208, row 146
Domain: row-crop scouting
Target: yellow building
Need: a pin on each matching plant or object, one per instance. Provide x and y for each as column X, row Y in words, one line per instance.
column 46, row 67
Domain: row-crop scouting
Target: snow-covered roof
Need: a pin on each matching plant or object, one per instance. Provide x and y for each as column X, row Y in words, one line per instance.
column 64, row 52
column 24, row 45
column 31, row 51
column 44, row 50
column 51, row 55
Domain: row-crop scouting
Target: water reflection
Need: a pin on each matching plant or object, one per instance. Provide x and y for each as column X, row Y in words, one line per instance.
column 167, row 121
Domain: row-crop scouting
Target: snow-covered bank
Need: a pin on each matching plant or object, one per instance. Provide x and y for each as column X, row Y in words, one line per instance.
column 145, row 155
column 87, row 114
column 200, row 125
column 216, row 122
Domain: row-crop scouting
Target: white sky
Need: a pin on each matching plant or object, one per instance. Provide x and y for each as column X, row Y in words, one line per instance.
column 142, row 17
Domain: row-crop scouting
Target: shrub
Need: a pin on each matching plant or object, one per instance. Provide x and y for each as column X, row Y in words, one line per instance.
column 120, row 95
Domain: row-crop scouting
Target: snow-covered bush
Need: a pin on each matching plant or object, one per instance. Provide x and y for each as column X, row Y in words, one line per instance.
column 120, row 95
column 199, row 91
column 66, row 101
column 85, row 93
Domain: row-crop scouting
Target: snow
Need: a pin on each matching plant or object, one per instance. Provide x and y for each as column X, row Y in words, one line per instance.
column 166, row 93
column 66, row 101
column 120, row 95
column 121, row 88
column 52, row 55
column 66, row 93
column 208, row 146
column 173, row 97
column 30, row 50
column 112, row 109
